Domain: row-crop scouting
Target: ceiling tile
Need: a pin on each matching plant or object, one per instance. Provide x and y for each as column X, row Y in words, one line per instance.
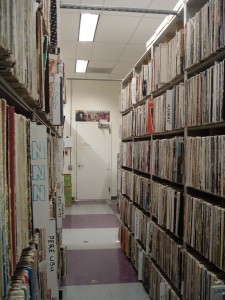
column 114, row 29
column 101, row 64
column 162, row 4
column 69, row 24
column 105, row 52
column 69, row 65
column 132, row 52
column 145, row 30
column 128, row 3
column 68, row 50
column 122, row 67
column 118, row 77
column 83, row 50
column 120, row 37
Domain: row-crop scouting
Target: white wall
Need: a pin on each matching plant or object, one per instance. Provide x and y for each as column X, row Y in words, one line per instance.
column 92, row 95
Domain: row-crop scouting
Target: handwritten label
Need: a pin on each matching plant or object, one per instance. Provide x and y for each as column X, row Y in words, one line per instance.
column 56, row 101
column 59, row 181
column 52, row 259
column 217, row 292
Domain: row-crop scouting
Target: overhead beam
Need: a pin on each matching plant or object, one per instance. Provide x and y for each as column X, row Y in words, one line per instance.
column 117, row 9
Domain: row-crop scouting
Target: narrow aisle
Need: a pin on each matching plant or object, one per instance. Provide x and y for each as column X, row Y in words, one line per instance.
column 97, row 267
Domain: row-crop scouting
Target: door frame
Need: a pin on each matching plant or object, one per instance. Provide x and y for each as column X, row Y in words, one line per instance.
column 110, row 155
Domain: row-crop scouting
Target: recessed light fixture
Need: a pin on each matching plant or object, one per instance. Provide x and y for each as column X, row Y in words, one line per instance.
column 88, row 24
column 81, row 66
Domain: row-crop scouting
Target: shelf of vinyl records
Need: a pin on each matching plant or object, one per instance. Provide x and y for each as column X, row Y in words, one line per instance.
column 172, row 158
column 159, row 195
column 32, row 71
column 137, row 235
column 32, row 90
column 161, row 239
column 32, row 259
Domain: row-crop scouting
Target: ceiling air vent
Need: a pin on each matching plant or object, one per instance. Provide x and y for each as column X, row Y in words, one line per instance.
column 99, row 70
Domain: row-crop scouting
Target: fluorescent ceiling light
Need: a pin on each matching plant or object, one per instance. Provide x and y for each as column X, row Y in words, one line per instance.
column 88, row 23
column 81, row 66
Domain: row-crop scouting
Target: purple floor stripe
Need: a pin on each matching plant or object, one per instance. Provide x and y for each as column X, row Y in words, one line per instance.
column 90, row 221
column 89, row 202
column 114, row 207
column 108, row 266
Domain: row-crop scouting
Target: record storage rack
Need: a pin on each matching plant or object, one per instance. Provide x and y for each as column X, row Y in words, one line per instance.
column 31, row 151
column 172, row 157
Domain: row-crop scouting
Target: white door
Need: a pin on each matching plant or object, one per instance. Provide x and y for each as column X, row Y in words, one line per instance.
column 93, row 161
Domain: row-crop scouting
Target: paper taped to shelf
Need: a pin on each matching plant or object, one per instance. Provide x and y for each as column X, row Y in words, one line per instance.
column 217, row 292
column 162, row 290
column 57, row 100
column 40, row 178
column 52, row 259
column 59, row 181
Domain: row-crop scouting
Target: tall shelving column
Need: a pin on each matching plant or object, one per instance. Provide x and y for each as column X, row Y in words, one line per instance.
column 204, row 203
column 126, row 154
column 26, row 101
column 163, row 193
column 185, row 232
column 167, row 167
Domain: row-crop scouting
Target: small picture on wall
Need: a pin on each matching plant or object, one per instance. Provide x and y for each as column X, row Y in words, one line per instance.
column 92, row 116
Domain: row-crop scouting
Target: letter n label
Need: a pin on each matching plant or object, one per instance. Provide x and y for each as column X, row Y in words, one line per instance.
column 38, row 192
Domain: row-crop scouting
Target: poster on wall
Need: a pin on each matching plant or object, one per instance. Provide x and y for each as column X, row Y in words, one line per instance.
column 92, row 116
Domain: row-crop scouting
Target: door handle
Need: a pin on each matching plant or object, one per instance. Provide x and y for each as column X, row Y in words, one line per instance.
column 80, row 166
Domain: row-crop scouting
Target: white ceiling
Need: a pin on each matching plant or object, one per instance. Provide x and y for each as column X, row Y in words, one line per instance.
column 120, row 38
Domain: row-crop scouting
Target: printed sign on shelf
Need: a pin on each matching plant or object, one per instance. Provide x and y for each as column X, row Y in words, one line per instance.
column 39, row 171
